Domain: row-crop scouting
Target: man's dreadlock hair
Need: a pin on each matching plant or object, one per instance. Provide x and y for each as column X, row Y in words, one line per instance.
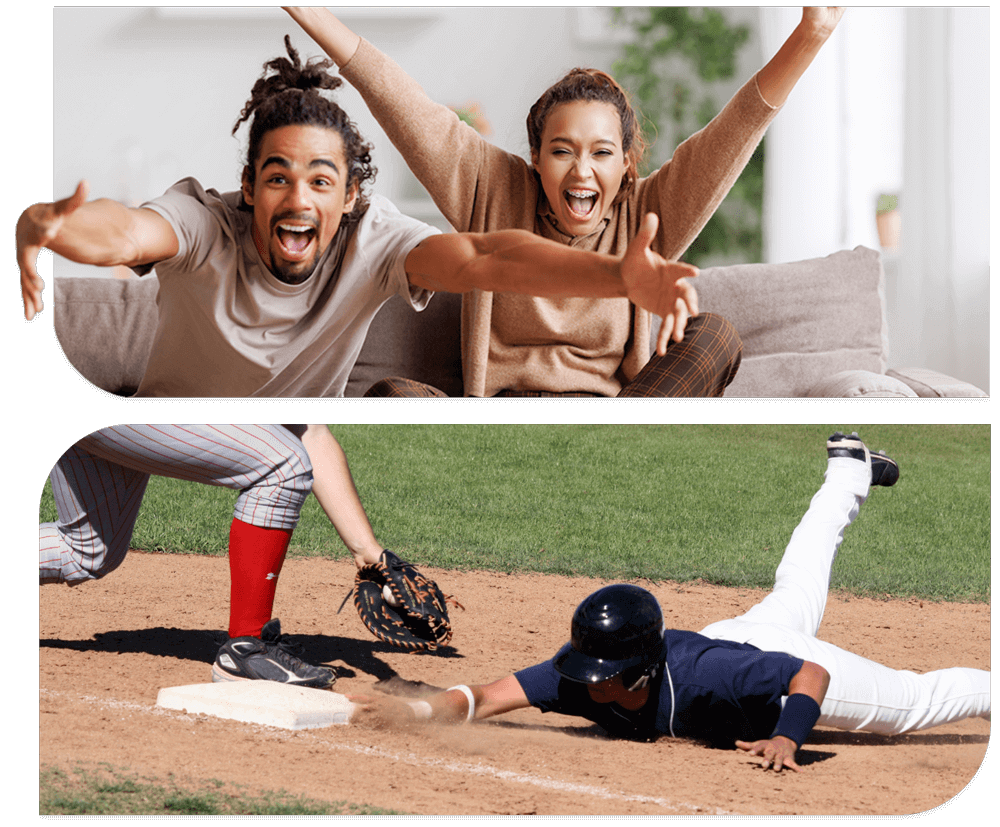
column 287, row 94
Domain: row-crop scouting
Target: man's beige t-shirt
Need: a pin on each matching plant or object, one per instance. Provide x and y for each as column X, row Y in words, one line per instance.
column 228, row 327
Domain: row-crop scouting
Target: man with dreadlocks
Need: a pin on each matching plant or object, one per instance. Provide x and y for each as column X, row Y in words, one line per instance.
column 270, row 290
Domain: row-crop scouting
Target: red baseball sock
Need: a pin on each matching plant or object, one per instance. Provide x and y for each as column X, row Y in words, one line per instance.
column 255, row 558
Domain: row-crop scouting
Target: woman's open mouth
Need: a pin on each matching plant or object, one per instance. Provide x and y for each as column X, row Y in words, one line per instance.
column 295, row 239
column 581, row 203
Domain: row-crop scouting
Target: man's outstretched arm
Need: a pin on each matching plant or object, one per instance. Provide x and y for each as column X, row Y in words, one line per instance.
column 101, row 232
column 517, row 261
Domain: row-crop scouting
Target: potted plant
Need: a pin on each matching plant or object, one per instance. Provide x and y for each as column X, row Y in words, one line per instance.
column 887, row 220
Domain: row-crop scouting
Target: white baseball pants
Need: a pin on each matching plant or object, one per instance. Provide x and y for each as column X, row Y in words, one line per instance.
column 99, row 484
column 863, row 695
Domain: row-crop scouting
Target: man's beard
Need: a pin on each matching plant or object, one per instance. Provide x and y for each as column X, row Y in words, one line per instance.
column 287, row 275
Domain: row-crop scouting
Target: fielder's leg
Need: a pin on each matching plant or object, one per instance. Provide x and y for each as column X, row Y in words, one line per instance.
column 99, row 483
column 97, row 502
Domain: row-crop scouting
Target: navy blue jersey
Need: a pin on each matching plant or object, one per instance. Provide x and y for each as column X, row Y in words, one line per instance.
column 716, row 690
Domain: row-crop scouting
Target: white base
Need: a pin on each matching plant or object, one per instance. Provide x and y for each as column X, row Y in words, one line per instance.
column 260, row 702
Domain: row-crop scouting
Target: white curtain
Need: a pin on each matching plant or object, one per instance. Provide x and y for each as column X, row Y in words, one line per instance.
column 942, row 313
column 897, row 102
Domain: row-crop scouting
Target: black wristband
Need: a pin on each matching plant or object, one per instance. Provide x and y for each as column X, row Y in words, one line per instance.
column 798, row 717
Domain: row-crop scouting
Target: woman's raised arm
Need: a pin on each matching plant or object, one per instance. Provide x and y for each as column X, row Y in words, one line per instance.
column 338, row 41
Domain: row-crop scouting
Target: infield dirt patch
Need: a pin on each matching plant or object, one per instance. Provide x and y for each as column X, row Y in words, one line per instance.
column 108, row 647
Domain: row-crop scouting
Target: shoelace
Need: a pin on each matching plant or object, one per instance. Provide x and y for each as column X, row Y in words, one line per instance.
column 287, row 649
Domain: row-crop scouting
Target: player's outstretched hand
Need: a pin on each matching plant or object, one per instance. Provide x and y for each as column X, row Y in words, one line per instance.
column 381, row 712
column 775, row 753
column 36, row 228
column 658, row 285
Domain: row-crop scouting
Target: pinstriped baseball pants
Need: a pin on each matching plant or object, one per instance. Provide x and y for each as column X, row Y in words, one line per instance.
column 100, row 481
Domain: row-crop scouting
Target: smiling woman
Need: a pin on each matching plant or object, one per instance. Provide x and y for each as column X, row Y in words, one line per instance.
column 583, row 132
column 581, row 164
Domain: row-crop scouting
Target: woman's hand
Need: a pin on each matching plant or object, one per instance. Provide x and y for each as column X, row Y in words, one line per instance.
column 780, row 74
column 822, row 20
column 338, row 41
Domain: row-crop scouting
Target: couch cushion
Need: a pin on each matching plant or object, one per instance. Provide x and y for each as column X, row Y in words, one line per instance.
column 424, row 346
column 853, row 383
column 932, row 384
column 106, row 338
column 801, row 322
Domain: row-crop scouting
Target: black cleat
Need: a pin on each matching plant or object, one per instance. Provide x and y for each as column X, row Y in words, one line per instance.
column 271, row 657
column 885, row 471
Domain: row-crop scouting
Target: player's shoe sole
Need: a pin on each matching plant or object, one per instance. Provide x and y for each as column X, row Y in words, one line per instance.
column 271, row 657
column 885, row 470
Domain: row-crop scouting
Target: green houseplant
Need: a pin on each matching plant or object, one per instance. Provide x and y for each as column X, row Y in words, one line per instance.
column 675, row 58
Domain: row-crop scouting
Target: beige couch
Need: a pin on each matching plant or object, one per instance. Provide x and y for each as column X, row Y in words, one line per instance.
column 811, row 328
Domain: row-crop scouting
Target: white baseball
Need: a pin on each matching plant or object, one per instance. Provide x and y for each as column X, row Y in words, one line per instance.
column 389, row 597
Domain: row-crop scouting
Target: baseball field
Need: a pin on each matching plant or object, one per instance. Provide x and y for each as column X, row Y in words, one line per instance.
column 520, row 523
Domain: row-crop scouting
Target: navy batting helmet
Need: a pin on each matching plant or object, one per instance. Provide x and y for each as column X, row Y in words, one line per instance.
column 615, row 629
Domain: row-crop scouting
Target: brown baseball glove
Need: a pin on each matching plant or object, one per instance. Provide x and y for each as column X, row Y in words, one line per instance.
column 401, row 606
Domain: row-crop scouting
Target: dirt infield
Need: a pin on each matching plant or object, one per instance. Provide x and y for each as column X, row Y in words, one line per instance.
column 107, row 648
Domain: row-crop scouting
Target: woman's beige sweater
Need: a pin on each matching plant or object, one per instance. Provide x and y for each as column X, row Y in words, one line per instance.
column 519, row 342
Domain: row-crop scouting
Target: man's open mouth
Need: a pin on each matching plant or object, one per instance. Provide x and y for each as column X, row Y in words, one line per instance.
column 581, row 202
column 295, row 237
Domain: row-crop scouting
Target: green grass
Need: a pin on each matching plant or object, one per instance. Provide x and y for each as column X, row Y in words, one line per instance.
column 663, row 502
column 104, row 790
